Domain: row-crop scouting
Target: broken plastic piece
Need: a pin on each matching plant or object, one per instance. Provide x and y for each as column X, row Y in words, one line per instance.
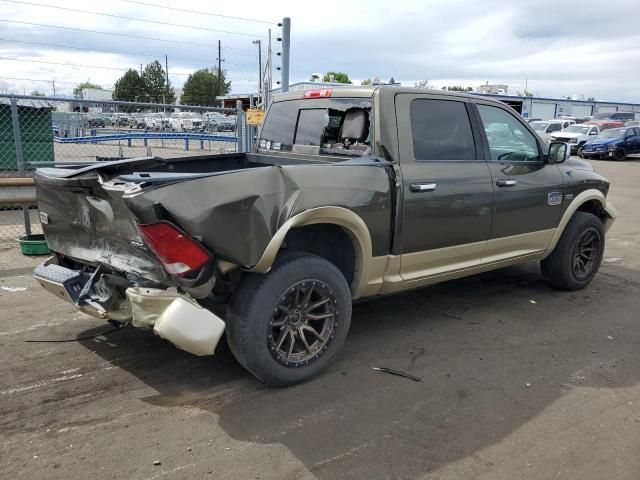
column 398, row 373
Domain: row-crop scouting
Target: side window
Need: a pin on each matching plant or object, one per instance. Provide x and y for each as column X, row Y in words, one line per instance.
column 508, row 138
column 636, row 130
column 441, row 130
column 555, row 127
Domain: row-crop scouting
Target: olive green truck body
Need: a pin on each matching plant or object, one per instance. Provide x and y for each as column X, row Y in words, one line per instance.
column 397, row 188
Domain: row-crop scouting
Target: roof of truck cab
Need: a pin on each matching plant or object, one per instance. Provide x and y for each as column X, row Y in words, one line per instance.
column 367, row 92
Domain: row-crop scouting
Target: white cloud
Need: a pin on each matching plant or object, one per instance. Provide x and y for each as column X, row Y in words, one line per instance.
column 562, row 48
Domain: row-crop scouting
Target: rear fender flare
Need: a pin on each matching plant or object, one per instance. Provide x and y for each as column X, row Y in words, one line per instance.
column 352, row 224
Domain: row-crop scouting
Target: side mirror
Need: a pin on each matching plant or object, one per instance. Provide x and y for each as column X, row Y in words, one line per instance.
column 558, row 152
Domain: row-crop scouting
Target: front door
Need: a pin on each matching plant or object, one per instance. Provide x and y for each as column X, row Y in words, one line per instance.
column 528, row 193
column 447, row 189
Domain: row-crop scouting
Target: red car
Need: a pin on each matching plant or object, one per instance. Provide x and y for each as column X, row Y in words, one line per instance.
column 606, row 124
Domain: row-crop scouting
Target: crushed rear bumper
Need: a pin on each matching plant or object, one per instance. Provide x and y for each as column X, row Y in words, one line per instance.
column 173, row 315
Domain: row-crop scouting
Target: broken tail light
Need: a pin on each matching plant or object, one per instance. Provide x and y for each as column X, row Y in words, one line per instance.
column 179, row 253
column 317, row 93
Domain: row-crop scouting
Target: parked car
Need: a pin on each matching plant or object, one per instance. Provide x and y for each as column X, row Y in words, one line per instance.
column 136, row 120
column 620, row 116
column 632, row 123
column 545, row 128
column 534, row 120
column 605, row 124
column 156, row 121
column 97, row 121
column 576, row 136
column 120, row 120
column 185, row 122
column 615, row 143
column 222, row 123
column 331, row 208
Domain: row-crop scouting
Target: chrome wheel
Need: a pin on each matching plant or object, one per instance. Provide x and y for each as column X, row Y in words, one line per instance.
column 303, row 323
column 586, row 253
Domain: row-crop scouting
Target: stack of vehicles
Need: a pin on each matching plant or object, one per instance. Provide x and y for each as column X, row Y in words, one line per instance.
column 185, row 122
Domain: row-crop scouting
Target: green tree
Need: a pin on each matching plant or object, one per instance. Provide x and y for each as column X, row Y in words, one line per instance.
column 337, row 77
column 366, row 82
column 203, row 87
column 36, row 93
column 156, row 87
column 129, row 87
column 81, row 86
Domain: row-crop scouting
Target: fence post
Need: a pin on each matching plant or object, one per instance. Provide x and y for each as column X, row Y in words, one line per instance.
column 17, row 140
column 239, row 125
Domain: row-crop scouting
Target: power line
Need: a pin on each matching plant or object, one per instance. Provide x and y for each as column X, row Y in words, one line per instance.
column 135, row 19
column 44, row 81
column 105, row 68
column 230, row 17
column 182, row 42
column 102, row 51
column 76, row 65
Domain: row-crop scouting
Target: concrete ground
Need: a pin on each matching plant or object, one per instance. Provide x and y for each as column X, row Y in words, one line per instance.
column 520, row 382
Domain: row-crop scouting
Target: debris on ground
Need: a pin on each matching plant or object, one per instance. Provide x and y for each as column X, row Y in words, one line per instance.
column 398, row 373
column 532, row 301
column 612, row 259
column 456, row 312
column 13, row 289
column 157, row 462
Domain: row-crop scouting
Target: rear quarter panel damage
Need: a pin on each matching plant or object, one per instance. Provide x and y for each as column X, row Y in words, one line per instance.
column 236, row 214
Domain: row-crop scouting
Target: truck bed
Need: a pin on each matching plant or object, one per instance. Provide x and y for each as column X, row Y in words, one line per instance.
column 232, row 203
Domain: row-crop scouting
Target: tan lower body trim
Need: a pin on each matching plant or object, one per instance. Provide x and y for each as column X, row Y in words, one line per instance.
column 394, row 273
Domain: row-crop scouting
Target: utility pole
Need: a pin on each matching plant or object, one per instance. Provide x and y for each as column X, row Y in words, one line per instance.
column 219, row 67
column 259, row 43
column 53, row 84
column 269, row 75
column 166, row 82
column 140, row 69
column 286, row 44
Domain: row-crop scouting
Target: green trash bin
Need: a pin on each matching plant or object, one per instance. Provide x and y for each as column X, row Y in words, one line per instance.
column 36, row 133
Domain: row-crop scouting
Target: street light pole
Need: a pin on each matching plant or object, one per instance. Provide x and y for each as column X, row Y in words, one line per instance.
column 259, row 43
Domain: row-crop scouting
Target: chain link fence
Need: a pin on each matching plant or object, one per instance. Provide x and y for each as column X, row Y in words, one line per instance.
column 43, row 132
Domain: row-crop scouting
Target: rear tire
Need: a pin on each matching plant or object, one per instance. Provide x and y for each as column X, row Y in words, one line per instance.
column 577, row 257
column 620, row 155
column 273, row 328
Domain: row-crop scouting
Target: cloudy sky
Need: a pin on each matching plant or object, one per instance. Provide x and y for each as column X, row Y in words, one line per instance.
column 586, row 48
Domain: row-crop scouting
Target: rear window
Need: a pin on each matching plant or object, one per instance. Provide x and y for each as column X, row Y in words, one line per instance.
column 326, row 126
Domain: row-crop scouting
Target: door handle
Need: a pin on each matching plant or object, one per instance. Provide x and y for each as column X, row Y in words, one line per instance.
column 507, row 182
column 422, row 187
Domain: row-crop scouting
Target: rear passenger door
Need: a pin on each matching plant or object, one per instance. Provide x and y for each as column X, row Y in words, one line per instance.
column 446, row 186
column 528, row 193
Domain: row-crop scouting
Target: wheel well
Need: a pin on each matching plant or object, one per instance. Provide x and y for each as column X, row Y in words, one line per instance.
column 594, row 207
column 327, row 241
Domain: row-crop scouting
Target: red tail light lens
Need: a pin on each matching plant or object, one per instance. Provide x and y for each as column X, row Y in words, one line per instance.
column 179, row 253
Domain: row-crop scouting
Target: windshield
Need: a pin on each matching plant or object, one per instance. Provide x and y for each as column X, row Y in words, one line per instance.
column 611, row 134
column 331, row 126
column 539, row 126
column 577, row 129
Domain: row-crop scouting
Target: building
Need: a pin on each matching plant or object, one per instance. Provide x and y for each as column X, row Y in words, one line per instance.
column 548, row 108
column 493, row 89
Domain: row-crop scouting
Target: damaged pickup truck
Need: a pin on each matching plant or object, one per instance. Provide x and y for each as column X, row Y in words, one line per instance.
column 353, row 193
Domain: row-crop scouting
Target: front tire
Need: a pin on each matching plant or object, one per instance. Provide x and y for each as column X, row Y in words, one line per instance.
column 286, row 326
column 577, row 257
